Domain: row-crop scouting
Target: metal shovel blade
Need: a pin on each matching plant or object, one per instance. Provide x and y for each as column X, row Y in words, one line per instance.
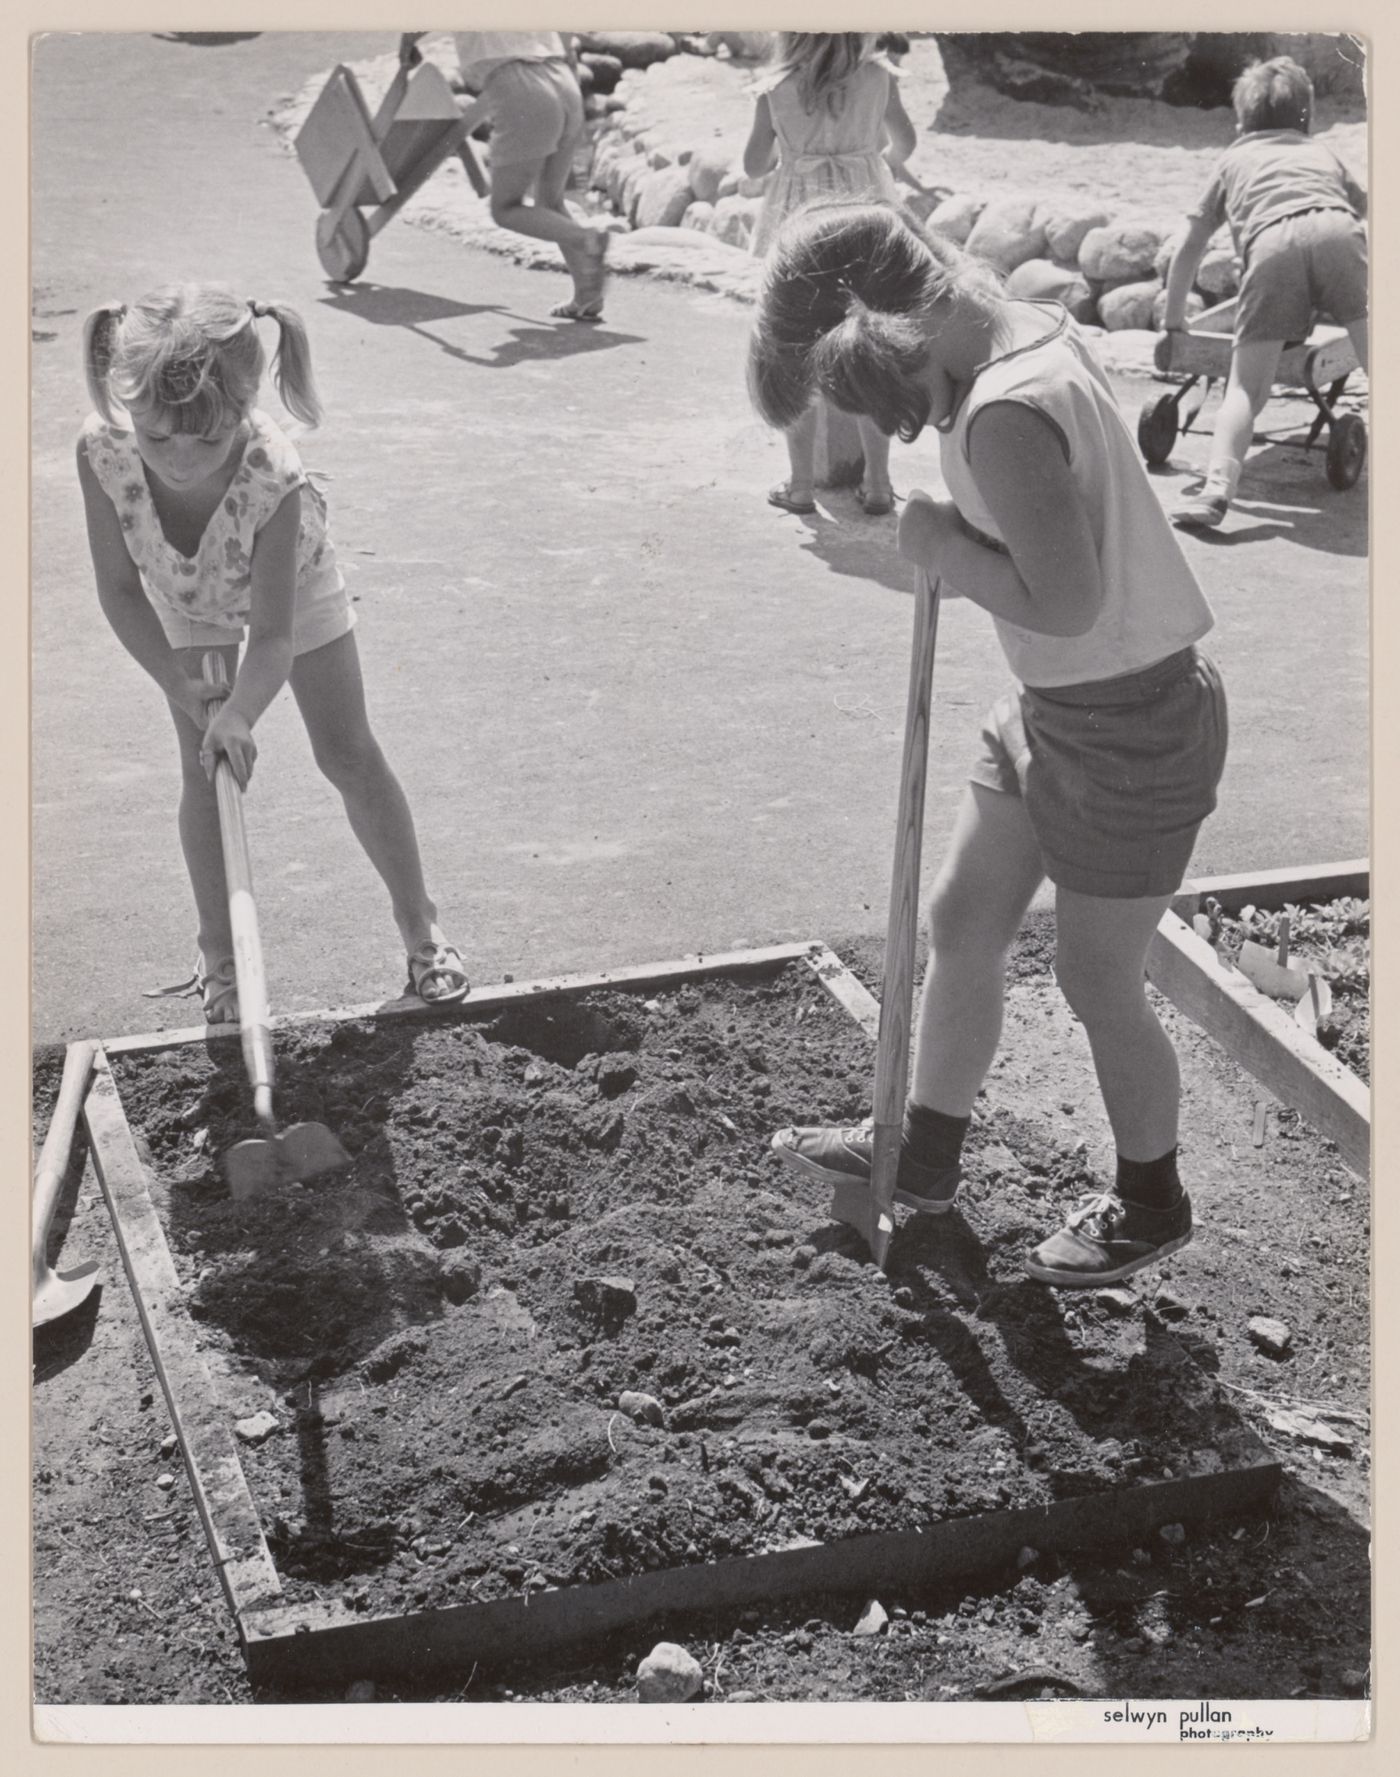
column 61, row 1292
column 262, row 1163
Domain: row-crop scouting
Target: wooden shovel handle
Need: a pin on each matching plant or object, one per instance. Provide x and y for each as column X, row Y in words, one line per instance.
column 897, row 989
column 58, row 1144
column 253, row 1014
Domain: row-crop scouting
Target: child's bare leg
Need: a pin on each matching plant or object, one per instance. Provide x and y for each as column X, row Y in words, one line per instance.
column 583, row 262
column 1101, row 947
column 801, row 440
column 330, row 694
column 1247, row 390
column 989, row 875
column 511, row 185
column 875, row 447
column 199, row 824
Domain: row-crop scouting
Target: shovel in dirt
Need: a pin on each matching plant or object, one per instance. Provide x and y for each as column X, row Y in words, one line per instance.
column 56, row 1293
column 305, row 1149
column 871, row 1212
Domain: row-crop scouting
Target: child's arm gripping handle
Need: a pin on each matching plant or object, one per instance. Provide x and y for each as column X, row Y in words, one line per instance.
column 243, row 914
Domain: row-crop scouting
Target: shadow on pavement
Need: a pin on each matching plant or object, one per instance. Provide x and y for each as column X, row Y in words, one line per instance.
column 534, row 341
column 850, row 542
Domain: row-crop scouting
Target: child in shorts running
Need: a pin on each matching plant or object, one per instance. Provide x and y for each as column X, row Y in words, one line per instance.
column 1295, row 214
column 1098, row 769
column 535, row 107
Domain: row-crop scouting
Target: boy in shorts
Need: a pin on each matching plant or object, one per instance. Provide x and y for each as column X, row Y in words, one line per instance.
column 1294, row 211
column 535, row 107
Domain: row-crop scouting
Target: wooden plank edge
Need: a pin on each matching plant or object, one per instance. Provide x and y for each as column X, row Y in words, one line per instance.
column 1264, row 1040
column 488, row 999
column 286, row 1645
column 217, row 1482
column 845, row 988
column 1269, row 890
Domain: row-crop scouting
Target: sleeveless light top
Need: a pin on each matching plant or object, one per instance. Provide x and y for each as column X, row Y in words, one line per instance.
column 1152, row 603
column 480, row 53
column 215, row 584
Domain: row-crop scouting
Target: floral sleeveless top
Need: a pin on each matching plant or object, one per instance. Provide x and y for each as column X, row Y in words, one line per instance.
column 215, row 584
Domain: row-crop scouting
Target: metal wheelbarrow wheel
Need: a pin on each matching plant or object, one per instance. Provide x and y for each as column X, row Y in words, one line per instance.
column 1346, row 451
column 342, row 245
column 1157, row 428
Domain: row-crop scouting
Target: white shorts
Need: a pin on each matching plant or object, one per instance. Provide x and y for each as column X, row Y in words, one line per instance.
column 320, row 618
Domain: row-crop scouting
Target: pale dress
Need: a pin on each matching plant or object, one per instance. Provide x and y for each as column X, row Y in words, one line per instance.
column 834, row 150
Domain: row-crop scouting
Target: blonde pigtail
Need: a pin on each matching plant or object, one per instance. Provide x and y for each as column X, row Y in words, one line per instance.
column 291, row 371
column 98, row 331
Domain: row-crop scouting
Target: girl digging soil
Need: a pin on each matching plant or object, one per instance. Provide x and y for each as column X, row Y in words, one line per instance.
column 1098, row 770
column 830, row 113
column 202, row 523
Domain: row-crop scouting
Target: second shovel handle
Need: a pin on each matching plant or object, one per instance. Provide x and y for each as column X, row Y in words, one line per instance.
column 242, row 909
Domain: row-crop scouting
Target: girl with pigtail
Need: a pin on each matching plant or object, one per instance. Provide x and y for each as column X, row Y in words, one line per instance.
column 829, row 119
column 1097, row 770
column 203, row 525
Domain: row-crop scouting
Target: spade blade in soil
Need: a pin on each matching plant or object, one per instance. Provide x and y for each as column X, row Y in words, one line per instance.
column 303, row 1151
column 62, row 1292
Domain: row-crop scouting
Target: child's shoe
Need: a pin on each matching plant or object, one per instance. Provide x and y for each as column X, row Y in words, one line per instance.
column 843, row 1156
column 1106, row 1239
column 1200, row 512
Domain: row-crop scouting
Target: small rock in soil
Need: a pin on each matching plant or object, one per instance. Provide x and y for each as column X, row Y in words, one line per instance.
column 669, row 1674
column 1116, row 1301
column 1175, row 1534
column 873, row 1619
column 257, row 1429
column 644, row 1407
column 1027, row 1558
column 390, row 1356
column 1167, row 1305
column 167, row 1444
column 1309, row 1430
column 610, row 1299
column 1273, row 1337
column 165, row 1482
column 459, row 1275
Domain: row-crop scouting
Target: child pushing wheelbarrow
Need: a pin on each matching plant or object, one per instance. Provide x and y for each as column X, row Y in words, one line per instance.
column 525, row 87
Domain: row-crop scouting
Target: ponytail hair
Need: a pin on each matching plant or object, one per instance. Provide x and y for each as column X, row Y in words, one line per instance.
column 98, row 331
column 291, row 364
column 847, row 290
column 192, row 353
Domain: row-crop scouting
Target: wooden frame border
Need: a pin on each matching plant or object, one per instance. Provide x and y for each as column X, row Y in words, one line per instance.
column 1256, row 1032
column 289, row 1645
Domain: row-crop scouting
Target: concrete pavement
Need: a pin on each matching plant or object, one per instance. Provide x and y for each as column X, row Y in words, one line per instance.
column 637, row 712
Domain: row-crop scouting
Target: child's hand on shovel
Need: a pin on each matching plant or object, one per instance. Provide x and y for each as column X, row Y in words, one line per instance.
column 228, row 733
column 926, row 526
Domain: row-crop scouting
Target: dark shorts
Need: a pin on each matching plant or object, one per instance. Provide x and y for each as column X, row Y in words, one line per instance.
column 1116, row 775
column 1297, row 269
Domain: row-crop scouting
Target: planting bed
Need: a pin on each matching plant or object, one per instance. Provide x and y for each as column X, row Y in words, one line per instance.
column 1050, row 1390
column 569, row 1202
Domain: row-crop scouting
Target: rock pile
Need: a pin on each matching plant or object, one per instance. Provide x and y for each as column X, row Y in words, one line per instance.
column 1109, row 271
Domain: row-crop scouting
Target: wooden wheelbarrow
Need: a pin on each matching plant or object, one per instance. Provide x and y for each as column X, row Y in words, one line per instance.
column 1322, row 362
column 355, row 160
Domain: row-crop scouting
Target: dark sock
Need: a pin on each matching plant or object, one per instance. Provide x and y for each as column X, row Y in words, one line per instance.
column 1151, row 1184
column 931, row 1137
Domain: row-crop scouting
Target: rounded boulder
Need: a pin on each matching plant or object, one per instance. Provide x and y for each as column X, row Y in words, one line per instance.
column 1007, row 234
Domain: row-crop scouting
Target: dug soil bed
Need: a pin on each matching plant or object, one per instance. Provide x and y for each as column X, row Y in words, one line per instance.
column 567, row 1202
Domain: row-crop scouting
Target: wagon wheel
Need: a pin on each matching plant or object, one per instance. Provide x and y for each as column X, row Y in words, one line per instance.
column 1346, row 450
column 1157, row 425
column 343, row 246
